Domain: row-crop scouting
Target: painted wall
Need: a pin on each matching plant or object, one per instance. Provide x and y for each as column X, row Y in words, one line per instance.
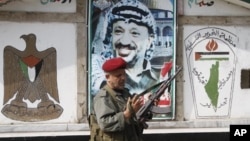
column 64, row 6
column 48, row 35
column 203, row 46
column 213, row 8
column 52, row 38
column 214, row 57
column 59, row 31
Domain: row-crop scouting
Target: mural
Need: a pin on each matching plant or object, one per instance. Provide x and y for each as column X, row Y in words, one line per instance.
column 43, row 2
column 68, row 6
column 211, row 60
column 200, row 3
column 142, row 32
column 30, row 75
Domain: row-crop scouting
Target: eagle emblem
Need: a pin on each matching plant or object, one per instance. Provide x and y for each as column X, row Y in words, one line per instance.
column 30, row 76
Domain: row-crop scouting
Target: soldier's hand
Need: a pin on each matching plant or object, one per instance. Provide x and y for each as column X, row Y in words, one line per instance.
column 136, row 103
column 133, row 105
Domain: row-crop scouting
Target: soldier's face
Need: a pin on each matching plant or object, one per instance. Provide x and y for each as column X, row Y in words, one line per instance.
column 116, row 79
column 130, row 41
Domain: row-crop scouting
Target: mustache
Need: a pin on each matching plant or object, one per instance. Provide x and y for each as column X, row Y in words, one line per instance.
column 119, row 46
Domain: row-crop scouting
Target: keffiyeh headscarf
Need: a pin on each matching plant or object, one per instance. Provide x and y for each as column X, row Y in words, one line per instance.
column 129, row 11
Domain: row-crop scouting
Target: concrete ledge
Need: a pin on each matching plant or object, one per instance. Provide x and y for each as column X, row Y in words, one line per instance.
column 214, row 136
column 87, row 133
column 197, row 126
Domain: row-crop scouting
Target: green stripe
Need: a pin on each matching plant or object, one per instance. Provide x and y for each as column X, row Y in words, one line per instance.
column 219, row 59
column 24, row 68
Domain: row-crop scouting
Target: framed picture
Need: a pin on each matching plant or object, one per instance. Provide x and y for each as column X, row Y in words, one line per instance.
column 143, row 33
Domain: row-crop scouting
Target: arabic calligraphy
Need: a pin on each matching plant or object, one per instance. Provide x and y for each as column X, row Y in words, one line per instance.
column 199, row 76
column 209, row 105
column 224, row 81
column 223, row 103
column 213, row 33
column 201, row 3
column 203, row 80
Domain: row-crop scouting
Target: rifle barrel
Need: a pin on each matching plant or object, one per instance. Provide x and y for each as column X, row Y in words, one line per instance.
column 147, row 106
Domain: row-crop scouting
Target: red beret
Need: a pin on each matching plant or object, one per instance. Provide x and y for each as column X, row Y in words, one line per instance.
column 114, row 64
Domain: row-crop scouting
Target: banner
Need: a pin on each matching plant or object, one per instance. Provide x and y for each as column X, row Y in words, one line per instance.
column 142, row 32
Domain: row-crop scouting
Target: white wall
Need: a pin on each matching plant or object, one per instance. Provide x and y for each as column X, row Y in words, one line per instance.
column 218, row 8
column 233, row 101
column 64, row 6
column 62, row 37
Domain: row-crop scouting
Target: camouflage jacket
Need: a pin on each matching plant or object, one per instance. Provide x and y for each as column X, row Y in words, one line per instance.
column 108, row 107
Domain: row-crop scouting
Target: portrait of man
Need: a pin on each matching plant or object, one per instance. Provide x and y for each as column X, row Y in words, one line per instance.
column 130, row 34
column 140, row 32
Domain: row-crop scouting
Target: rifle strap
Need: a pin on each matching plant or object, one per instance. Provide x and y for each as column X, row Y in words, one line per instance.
column 151, row 88
column 112, row 94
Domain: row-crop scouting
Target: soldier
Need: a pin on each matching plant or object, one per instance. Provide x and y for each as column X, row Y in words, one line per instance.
column 114, row 108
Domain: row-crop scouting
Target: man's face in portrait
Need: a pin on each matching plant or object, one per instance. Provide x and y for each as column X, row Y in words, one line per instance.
column 130, row 41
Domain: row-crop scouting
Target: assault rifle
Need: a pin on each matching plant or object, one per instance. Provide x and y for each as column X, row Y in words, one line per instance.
column 148, row 108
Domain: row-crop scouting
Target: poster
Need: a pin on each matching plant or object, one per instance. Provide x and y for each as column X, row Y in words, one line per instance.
column 142, row 32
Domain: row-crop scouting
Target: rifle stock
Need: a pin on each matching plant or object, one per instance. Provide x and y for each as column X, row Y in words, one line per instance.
column 148, row 108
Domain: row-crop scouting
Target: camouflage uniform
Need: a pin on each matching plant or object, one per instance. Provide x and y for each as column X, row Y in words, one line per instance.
column 108, row 122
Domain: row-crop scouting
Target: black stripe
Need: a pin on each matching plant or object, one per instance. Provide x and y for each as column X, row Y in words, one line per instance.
column 213, row 53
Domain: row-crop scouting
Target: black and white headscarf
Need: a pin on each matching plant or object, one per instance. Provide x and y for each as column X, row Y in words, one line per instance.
column 129, row 11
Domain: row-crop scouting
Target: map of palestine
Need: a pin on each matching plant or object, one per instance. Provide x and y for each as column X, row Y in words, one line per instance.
column 212, row 86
